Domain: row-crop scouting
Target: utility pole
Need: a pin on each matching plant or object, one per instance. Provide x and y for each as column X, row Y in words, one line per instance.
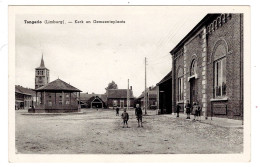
column 127, row 101
column 145, row 103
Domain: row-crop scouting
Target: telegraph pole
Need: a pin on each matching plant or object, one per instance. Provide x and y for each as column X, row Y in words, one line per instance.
column 145, row 103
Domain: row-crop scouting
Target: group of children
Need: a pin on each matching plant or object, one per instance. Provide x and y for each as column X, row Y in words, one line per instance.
column 195, row 109
column 125, row 116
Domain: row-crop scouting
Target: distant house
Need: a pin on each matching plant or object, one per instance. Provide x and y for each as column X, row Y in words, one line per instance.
column 57, row 96
column 92, row 100
column 24, row 97
column 118, row 98
column 152, row 97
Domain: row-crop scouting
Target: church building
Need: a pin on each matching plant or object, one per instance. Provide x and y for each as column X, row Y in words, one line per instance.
column 207, row 67
column 41, row 75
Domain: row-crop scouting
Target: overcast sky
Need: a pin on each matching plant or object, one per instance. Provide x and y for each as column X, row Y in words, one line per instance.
column 89, row 56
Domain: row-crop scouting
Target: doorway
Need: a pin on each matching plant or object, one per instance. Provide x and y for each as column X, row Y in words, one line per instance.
column 121, row 104
column 193, row 91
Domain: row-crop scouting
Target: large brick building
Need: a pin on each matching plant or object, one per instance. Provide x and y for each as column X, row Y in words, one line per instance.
column 207, row 66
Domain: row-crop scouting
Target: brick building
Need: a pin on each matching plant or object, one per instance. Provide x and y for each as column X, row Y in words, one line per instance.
column 118, row 98
column 152, row 98
column 207, row 66
column 57, row 96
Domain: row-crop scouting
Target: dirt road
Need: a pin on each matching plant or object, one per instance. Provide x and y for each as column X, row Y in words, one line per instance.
column 101, row 132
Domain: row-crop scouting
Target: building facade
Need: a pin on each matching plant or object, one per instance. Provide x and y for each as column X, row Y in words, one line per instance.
column 57, row 97
column 118, row 98
column 207, row 67
column 151, row 96
column 165, row 94
column 42, row 75
column 24, row 97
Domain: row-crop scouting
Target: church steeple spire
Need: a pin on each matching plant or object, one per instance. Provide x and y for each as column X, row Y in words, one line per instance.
column 42, row 75
column 42, row 62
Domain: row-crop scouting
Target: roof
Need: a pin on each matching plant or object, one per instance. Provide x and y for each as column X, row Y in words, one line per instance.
column 166, row 78
column 58, row 85
column 23, row 90
column 208, row 18
column 94, row 98
column 152, row 93
column 119, row 93
column 86, row 96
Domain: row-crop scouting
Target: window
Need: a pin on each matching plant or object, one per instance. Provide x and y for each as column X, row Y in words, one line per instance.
column 220, row 77
column 180, row 84
column 60, row 100
column 67, row 102
column 193, row 69
column 115, row 103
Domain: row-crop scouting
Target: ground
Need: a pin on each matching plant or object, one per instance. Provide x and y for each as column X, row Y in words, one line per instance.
column 101, row 132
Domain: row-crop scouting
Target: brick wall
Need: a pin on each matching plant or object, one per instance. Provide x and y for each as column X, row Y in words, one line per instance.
column 229, row 35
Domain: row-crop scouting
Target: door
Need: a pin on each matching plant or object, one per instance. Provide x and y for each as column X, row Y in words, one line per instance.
column 193, row 91
column 121, row 104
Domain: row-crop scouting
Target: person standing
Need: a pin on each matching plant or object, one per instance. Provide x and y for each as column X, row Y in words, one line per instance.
column 188, row 108
column 117, row 111
column 125, row 118
column 198, row 112
column 195, row 110
column 139, row 115
column 178, row 108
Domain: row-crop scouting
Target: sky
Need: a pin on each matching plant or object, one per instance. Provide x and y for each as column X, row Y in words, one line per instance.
column 89, row 56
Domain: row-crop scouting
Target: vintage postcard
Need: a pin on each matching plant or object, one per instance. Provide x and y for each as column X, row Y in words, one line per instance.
column 129, row 83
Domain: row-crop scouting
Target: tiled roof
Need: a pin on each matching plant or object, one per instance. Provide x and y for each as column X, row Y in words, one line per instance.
column 23, row 90
column 86, row 97
column 58, row 85
column 95, row 97
column 166, row 78
column 118, row 93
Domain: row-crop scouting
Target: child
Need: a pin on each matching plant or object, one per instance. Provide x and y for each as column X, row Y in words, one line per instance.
column 117, row 111
column 139, row 115
column 125, row 118
column 198, row 112
column 195, row 110
column 188, row 107
column 178, row 107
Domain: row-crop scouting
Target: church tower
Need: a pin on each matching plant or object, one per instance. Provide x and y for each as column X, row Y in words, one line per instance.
column 41, row 75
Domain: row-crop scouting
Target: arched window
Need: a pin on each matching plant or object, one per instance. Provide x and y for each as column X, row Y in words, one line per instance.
column 193, row 68
column 220, row 70
column 180, row 83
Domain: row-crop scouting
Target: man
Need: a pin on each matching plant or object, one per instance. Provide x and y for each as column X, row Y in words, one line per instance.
column 139, row 115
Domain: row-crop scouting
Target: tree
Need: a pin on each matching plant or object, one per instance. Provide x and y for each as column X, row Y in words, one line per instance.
column 112, row 85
